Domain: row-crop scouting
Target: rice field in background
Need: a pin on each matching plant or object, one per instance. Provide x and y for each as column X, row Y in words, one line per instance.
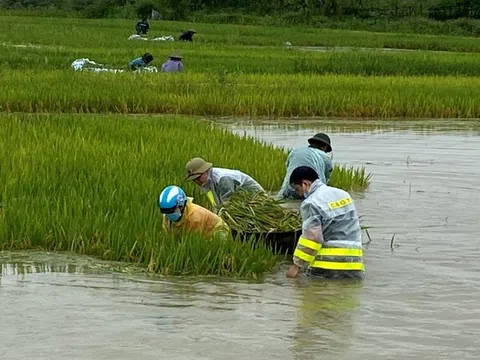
column 224, row 64
column 241, row 95
column 113, row 33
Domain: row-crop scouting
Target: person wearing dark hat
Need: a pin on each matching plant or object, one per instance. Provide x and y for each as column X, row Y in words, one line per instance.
column 313, row 156
column 141, row 62
column 142, row 27
column 322, row 142
column 173, row 64
column 187, row 35
column 219, row 184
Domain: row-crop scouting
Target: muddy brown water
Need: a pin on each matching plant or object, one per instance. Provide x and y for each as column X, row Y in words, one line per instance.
column 420, row 300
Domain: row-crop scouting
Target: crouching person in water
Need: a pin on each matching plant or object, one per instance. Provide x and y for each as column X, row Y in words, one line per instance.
column 141, row 62
column 173, row 64
column 331, row 241
column 181, row 215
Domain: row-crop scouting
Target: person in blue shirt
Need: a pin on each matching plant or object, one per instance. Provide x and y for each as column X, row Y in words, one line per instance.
column 321, row 141
column 187, row 35
column 314, row 156
column 141, row 62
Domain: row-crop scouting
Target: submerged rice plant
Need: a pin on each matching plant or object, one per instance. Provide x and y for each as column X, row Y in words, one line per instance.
column 349, row 178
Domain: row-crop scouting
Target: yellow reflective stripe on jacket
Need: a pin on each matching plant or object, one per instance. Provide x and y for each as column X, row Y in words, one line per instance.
column 309, row 244
column 340, row 203
column 329, row 265
column 303, row 256
column 340, row 252
column 211, row 198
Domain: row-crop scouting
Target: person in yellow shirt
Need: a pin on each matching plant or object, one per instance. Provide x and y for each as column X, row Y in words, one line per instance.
column 181, row 215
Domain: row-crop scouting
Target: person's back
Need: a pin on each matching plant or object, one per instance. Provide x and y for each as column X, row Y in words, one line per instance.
column 141, row 62
column 224, row 182
column 334, row 211
column 197, row 219
column 298, row 157
column 328, row 165
column 172, row 66
column 137, row 63
column 142, row 27
column 187, row 35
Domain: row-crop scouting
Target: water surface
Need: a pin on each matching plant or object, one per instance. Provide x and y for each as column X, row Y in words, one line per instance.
column 419, row 300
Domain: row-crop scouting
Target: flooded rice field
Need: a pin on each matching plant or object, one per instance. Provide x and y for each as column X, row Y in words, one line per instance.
column 419, row 299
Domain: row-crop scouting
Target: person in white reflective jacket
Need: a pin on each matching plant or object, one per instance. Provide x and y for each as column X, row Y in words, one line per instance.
column 315, row 156
column 331, row 242
column 219, row 184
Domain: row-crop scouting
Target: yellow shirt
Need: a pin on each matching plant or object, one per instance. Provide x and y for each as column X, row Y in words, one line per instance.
column 196, row 219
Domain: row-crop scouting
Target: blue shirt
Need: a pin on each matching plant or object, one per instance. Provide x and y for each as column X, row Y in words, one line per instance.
column 304, row 156
column 138, row 63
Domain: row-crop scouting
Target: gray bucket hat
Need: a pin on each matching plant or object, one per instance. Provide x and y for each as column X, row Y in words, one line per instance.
column 195, row 168
column 321, row 138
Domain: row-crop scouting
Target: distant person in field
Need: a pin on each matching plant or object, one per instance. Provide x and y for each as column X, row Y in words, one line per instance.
column 141, row 62
column 187, row 35
column 142, row 27
column 173, row 64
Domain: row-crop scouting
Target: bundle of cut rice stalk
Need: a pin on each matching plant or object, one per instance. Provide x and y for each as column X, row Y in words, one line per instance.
column 248, row 212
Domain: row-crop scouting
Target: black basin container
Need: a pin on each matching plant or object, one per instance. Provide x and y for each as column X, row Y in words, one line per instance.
column 281, row 242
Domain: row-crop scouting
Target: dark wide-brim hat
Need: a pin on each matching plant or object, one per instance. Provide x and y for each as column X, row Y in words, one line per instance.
column 321, row 138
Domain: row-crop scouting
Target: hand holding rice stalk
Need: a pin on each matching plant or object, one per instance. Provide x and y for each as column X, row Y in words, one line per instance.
column 248, row 212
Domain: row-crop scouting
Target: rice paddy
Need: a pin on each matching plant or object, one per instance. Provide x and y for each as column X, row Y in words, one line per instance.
column 242, row 95
column 89, row 184
column 79, row 173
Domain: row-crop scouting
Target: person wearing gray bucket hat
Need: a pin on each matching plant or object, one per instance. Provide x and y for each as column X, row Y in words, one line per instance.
column 173, row 64
column 219, row 184
column 314, row 156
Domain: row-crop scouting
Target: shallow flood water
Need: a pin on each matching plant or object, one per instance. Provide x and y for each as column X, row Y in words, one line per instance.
column 418, row 301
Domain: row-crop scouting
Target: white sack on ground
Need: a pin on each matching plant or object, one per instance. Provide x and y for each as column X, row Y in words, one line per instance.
column 86, row 64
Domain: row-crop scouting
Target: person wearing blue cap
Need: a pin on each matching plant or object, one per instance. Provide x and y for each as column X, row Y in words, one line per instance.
column 181, row 215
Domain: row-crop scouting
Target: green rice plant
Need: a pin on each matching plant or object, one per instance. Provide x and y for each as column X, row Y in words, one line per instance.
column 113, row 33
column 353, row 179
column 38, row 46
column 90, row 183
column 247, row 95
column 239, row 59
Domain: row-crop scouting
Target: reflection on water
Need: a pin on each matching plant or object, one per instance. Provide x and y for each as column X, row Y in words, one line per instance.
column 325, row 317
column 171, row 318
column 419, row 300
